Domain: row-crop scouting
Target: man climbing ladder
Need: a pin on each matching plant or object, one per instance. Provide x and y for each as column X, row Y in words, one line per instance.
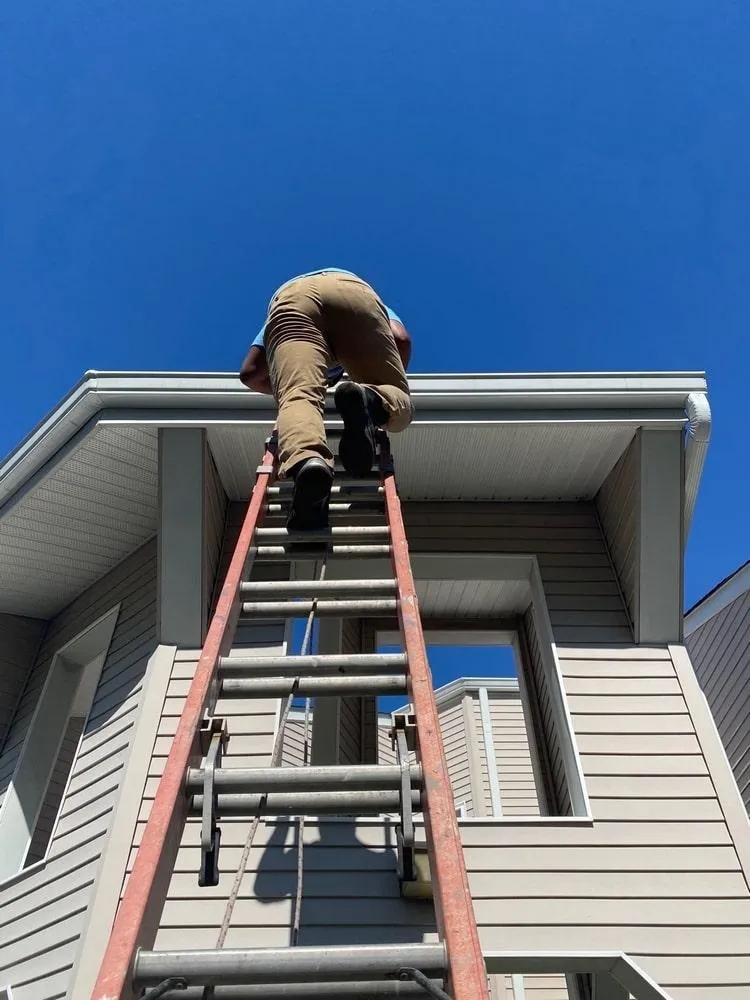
column 319, row 324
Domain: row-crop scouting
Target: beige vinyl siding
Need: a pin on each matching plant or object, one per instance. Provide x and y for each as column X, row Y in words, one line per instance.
column 215, row 512
column 43, row 910
column 518, row 790
column 251, row 725
column 655, row 874
column 19, row 642
column 582, row 592
column 720, row 651
column 456, row 738
column 386, row 750
column 293, row 753
column 616, row 504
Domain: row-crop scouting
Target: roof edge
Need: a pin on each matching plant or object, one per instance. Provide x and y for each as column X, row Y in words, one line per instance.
column 97, row 391
column 718, row 598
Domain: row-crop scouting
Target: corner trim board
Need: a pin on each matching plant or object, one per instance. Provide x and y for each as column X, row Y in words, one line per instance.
column 111, row 873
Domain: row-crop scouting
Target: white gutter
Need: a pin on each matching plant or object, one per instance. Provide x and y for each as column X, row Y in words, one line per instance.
column 697, row 436
column 493, row 394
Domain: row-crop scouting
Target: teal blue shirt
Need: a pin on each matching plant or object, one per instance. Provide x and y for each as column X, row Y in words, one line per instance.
column 260, row 339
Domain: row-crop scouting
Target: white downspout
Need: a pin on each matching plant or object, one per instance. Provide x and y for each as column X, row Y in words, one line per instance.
column 697, row 435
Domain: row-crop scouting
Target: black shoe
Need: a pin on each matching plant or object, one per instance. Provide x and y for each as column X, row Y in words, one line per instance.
column 362, row 412
column 312, row 490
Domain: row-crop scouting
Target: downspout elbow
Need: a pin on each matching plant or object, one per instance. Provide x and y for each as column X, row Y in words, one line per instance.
column 697, row 435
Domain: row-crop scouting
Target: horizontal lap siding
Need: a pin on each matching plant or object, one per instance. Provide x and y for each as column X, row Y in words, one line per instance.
column 659, row 832
column 293, row 752
column 42, row 913
column 720, row 653
column 518, row 792
column 656, row 875
column 19, row 641
column 456, row 740
column 582, row 591
column 386, row 751
column 350, row 888
column 251, row 725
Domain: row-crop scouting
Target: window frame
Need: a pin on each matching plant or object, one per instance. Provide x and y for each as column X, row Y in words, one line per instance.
column 89, row 645
column 520, row 568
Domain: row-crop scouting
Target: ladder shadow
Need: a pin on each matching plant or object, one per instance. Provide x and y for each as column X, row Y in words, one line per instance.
column 350, row 889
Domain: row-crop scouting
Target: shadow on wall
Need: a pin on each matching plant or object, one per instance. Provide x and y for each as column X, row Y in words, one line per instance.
column 350, row 889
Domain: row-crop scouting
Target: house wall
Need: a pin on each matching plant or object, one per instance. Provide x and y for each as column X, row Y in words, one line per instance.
column 557, row 795
column 720, row 651
column 617, row 506
column 656, row 872
column 215, row 514
column 510, row 736
column 19, row 642
column 43, row 910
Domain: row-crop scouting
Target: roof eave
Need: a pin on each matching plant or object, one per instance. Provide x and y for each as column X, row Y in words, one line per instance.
column 101, row 391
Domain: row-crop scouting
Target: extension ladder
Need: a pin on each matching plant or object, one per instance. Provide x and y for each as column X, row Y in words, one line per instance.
column 453, row 964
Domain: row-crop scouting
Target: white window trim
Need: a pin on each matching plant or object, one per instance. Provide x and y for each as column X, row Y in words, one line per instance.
column 16, row 831
column 487, row 566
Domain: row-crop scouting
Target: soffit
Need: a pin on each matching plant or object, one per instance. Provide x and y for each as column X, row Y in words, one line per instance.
column 78, row 521
column 489, row 461
column 80, row 493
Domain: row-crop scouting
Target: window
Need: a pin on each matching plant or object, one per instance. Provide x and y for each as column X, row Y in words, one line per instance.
column 507, row 737
column 32, row 804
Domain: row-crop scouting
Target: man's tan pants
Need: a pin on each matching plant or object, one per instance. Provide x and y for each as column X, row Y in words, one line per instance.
column 312, row 323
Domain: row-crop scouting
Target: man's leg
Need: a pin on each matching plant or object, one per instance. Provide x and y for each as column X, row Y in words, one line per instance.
column 359, row 330
column 298, row 358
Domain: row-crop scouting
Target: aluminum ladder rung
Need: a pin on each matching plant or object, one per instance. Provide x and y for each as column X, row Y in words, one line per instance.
column 282, row 666
column 356, row 489
column 311, row 588
column 373, row 989
column 336, row 777
column 348, row 509
column 341, row 479
column 367, row 803
column 342, row 531
column 292, row 551
column 341, row 686
column 246, row 966
column 291, row 609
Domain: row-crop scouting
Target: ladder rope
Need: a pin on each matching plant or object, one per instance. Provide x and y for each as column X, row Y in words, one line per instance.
column 276, row 755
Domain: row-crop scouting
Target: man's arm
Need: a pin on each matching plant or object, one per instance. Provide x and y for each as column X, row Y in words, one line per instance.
column 403, row 341
column 254, row 371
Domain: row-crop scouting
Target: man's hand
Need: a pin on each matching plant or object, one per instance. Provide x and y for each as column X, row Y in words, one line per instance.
column 403, row 342
column 254, row 371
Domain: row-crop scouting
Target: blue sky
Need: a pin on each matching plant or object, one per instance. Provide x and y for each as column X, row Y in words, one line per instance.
column 537, row 185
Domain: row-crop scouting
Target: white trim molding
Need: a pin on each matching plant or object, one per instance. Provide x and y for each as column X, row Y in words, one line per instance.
column 109, row 880
column 659, row 537
column 23, row 800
